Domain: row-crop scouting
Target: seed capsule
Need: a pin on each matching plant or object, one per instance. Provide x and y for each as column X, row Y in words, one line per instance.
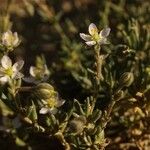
column 77, row 125
column 44, row 91
column 126, row 79
column 44, row 86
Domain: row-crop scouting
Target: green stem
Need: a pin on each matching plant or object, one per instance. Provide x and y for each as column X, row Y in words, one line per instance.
column 98, row 75
column 25, row 89
column 98, row 63
column 61, row 31
column 109, row 111
column 105, row 118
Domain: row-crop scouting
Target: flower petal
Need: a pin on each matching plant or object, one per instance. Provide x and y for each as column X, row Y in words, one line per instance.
column 16, row 39
column 105, row 32
column 17, row 75
column 6, row 62
column 103, row 41
column 90, row 43
column 53, row 111
column 46, row 71
column 85, row 37
column 7, row 38
column 44, row 110
column 60, row 103
column 4, row 79
column 2, row 72
column 18, row 65
column 32, row 71
column 93, row 29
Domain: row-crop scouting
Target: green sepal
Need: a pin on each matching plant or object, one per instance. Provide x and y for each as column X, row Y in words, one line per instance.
column 78, row 107
column 32, row 113
column 96, row 115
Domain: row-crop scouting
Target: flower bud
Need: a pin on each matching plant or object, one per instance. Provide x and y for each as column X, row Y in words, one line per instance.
column 118, row 95
column 44, row 91
column 77, row 125
column 44, row 86
column 126, row 79
column 10, row 40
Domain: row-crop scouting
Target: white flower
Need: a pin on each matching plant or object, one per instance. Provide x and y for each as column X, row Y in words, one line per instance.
column 95, row 37
column 37, row 74
column 9, row 71
column 51, row 105
column 10, row 40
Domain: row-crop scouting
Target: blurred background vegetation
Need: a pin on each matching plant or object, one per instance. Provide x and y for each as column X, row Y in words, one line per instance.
column 50, row 28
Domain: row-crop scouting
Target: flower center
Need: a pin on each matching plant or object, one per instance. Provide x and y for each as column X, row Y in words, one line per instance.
column 39, row 73
column 96, row 37
column 9, row 71
column 52, row 102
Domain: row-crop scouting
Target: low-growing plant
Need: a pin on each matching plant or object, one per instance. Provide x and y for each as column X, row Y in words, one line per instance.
column 110, row 110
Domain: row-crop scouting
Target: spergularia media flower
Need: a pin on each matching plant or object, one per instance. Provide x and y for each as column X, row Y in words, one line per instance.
column 38, row 74
column 95, row 37
column 10, row 40
column 51, row 105
column 9, row 71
